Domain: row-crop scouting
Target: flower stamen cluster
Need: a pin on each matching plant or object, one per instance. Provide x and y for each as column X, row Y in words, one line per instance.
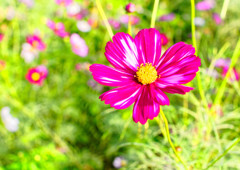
column 146, row 73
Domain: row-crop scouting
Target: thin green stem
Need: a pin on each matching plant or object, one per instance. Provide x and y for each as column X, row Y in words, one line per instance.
column 224, row 8
column 193, row 25
column 235, row 142
column 154, row 14
column 234, row 59
column 169, row 139
column 200, row 87
column 104, row 18
column 129, row 24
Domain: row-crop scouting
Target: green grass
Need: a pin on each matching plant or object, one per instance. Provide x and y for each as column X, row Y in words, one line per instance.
column 63, row 124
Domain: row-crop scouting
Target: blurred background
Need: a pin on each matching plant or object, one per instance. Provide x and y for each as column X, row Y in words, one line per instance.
column 51, row 114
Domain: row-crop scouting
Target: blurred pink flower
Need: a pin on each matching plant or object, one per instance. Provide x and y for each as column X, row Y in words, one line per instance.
column 79, row 46
column 36, row 42
column 37, row 75
column 74, row 10
column 82, row 66
column 217, row 19
column 28, row 3
column 167, row 17
column 1, row 37
column 64, row 2
column 2, row 65
column 205, row 5
column 93, row 22
column 130, row 8
column 134, row 19
column 114, row 23
column 142, row 75
column 224, row 63
column 164, row 39
column 234, row 74
column 58, row 28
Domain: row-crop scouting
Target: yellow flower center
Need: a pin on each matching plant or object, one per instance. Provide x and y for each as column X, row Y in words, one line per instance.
column 146, row 74
column 35, row 76
column 35, row 44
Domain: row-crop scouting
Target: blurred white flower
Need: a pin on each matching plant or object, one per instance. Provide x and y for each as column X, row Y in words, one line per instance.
column 199, row 21
column 28, row 53
column 73, row 9
column 83, row 26
column 28, row 3
column 10, row 122
column 119, row 162
column 10, row 14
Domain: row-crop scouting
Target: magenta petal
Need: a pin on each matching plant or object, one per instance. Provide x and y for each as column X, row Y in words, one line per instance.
column 148, row 42
column 145, row 107
column 173, row 88
column 50, row 24
column 122, row 52
column 122, row 97
column 158, row 95
column 175, row 53
column 178, row 65
column 110, row 76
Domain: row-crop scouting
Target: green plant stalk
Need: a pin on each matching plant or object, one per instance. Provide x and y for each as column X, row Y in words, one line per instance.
column 224, row 8
column 235, row 142
column 154, row 14
column 160, row 124
column 104, row 18
column 169, row 139
column 200, row 87
column 129, row 24
column 234, row 59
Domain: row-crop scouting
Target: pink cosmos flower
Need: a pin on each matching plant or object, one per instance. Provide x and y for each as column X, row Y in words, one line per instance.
column 63, row 2
column 217, row 19
column 234, row 75
column 36, row 42
column 134, row 19
column 79, row 46
column 1, row 37
column 205, row 5
column 167, row 17
column 142, row 75
column 115, row 24
column 164, row 39
column 224, row 64
column 58, row 28
column 37, row 75
column 130, row 8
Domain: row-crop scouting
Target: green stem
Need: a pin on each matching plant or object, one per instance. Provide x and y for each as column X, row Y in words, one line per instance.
column 104, row 18
column 235, row 142
column 129, row 24
column 154, row 14
column 200, row 87
column 169, row 139
column 224, row 8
